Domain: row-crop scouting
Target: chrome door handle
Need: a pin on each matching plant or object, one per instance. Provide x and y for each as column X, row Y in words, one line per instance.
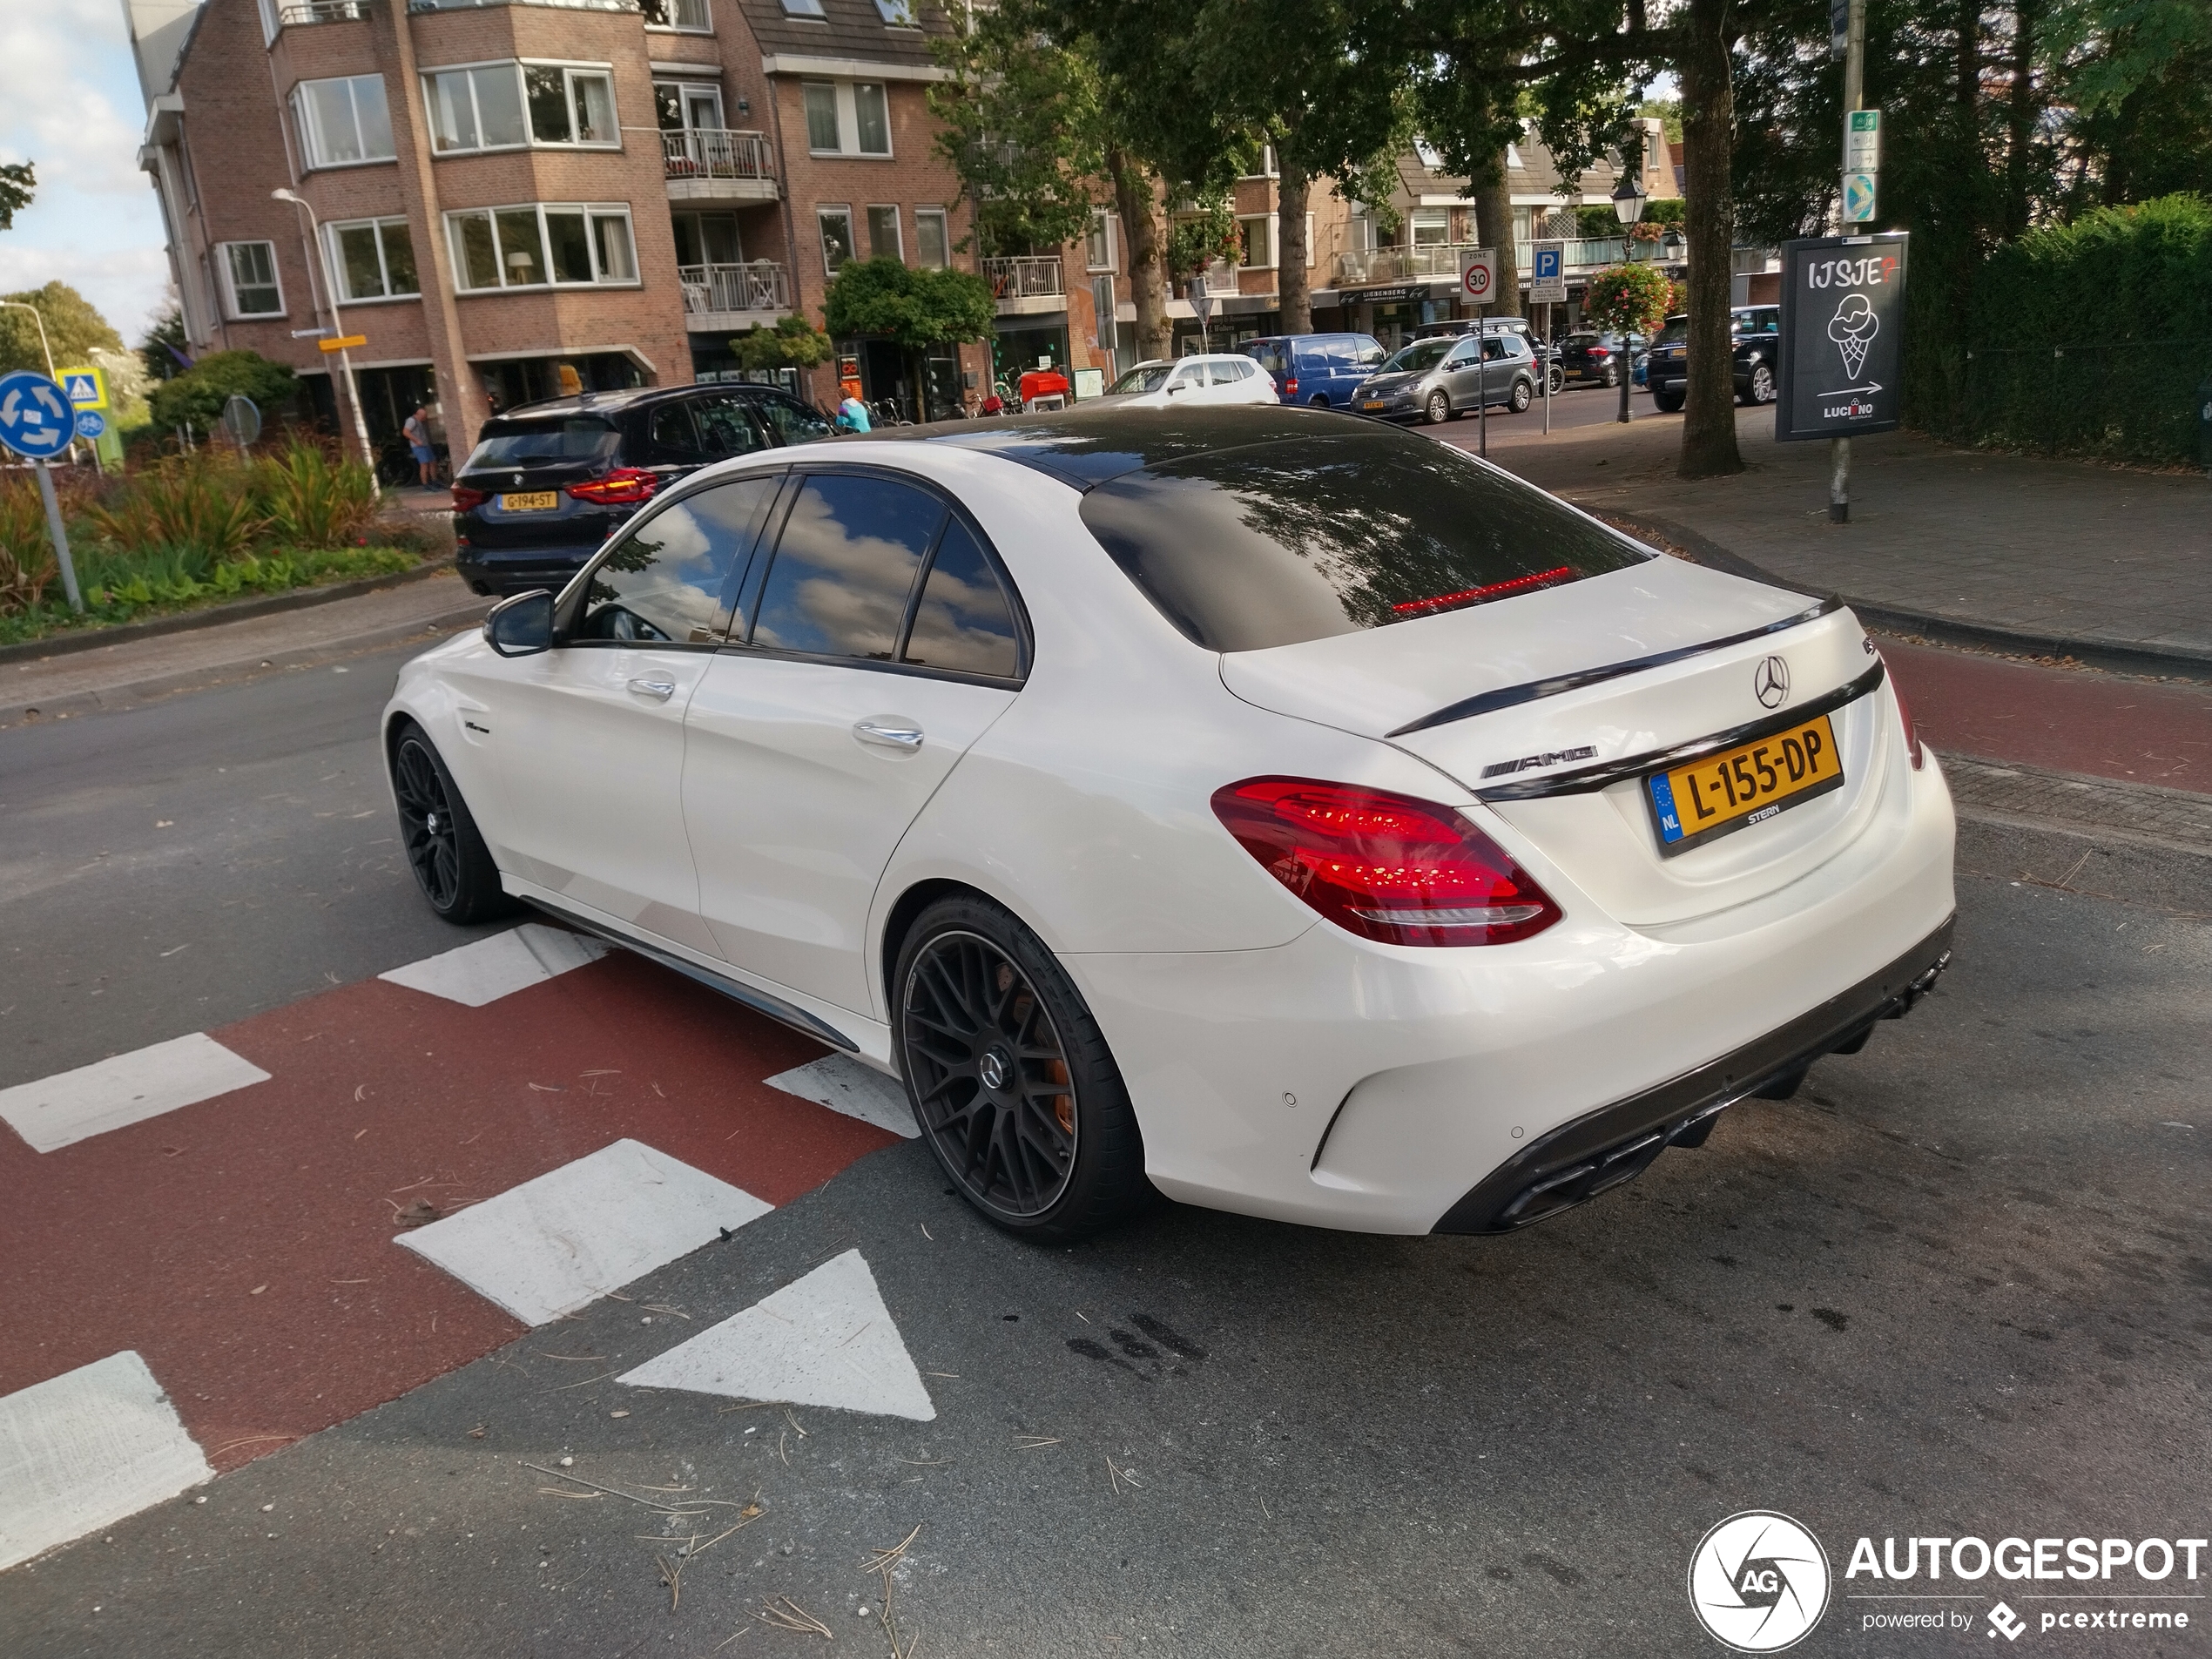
column 888, row 734
column 659, row 687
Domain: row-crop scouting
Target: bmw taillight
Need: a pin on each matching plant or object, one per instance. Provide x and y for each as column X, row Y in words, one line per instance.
column 464, row 498
column 623, row 487
column 1386, row 866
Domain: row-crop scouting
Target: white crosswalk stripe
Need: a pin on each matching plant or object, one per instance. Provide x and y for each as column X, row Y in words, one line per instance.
column 843, row 1084
column 57, row 1111
column 487, row 969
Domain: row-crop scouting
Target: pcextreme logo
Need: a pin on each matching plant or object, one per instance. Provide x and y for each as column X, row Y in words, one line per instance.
column 1758, row 1582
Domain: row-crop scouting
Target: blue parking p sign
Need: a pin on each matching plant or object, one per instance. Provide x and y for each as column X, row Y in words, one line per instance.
column 37, row 419
column 1547, row 273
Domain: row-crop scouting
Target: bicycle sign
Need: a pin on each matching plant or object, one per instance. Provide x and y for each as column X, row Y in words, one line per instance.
column 1479, row 276
column 36, row 420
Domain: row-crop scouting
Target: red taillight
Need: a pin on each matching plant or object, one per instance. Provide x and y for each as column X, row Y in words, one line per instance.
column 622, row 487
column 1290, row 386
column 1384, row 866
column 1601, row 351
column 1912, row 732
column 465, row 498
column 1488, row 590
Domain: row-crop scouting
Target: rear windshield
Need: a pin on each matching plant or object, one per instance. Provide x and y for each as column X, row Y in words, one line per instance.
column 1421, row 356
column 1674, row 334
column 520, row 443
column 1277, row 543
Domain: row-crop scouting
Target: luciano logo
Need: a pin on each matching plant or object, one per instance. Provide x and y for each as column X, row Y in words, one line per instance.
column 1758, row 1582
column 1771, row 683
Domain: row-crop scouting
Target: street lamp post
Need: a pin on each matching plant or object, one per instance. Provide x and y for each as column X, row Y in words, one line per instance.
column 1627, row 206
column 47, row 351
column 316, row 252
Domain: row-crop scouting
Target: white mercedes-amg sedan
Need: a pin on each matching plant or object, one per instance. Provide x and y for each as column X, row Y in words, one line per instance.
column 1266, row 808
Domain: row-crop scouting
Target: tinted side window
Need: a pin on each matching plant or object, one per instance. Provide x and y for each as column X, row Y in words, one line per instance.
column 845, row 566
column 673, row 438
column 793, row 421
column 963, row 622
column 665, row 581
column 726, row 428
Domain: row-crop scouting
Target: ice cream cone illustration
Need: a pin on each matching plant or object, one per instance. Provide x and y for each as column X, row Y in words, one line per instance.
column 1852, row 328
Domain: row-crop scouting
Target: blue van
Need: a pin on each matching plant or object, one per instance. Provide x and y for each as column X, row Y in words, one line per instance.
column 1321, row 369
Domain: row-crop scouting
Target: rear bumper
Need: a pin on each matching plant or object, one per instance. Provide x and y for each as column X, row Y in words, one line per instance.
column 501, row 570
column 1618, row 1143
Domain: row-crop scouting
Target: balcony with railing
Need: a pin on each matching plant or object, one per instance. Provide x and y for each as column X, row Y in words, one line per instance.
column 291, row 12
column 717, row 297
column 714, row 164
column 564, row 5
column 1443, row 261
column 1027, row 284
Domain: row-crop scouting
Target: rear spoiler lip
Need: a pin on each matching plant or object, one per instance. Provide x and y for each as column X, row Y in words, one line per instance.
column 1589, row 780
column 1529, row 691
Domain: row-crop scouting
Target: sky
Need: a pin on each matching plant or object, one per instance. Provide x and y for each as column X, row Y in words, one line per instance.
column 69, row 103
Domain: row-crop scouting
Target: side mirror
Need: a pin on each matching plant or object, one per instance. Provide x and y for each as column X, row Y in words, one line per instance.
column 522, row 626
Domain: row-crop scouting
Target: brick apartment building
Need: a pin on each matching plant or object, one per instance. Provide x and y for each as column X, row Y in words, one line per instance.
column 514, row 198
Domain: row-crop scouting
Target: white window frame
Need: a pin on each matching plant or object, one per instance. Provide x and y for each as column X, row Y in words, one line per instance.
column 898, row 14
column 229, row 274
column 334, row 262
column 806, row 9
column 270, row 22
column 1431, row 156
column 1104, row 220
column 836, row 210
column 1266, row 222
column 898, row 229
column 591, row 211
column 1429, row 219
column 1312, row 253
column 806, row 115
column 310, row 130
column 845, row 99
column 706, row 10
column 685, row 90
column 531, row 140
column 944, row 236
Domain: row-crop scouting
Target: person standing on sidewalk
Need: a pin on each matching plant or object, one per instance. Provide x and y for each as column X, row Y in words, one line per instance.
column 418, row 438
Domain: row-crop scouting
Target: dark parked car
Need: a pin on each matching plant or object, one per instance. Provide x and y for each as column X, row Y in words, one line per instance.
column 1321, row 369
column 1755, row 334
column 1591, row 359
column 549, row 482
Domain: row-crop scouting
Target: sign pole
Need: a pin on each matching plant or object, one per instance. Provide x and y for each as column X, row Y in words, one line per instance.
column 1854, row 94
column 1547, row 368
column 1482, row 383
column 60, row 532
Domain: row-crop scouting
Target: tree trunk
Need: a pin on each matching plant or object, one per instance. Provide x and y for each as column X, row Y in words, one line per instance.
column 2019, row 118
column 1293, row 282
column 1493, row 229
column 1708, row 129
column 1136, row 198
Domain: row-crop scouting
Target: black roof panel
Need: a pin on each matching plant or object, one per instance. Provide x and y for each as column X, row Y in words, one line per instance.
column 1088, row 445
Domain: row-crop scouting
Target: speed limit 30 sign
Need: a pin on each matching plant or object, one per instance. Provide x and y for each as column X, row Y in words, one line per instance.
column 1479, row 277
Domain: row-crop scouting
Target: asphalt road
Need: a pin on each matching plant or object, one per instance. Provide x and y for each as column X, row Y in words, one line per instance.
column 1959, row 1285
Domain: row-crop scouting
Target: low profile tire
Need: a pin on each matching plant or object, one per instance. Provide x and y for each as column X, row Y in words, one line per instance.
column 1761, row 383
column 1523, row 395
column 1011, row 1081
column 1438, row 410
column 1667, row 402
column 451, row 863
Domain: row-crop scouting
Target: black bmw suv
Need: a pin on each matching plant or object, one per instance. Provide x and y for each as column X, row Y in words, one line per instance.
column 1755, row 337
column 549, row 482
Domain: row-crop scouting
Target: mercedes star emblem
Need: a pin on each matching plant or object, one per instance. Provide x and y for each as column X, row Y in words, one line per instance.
column 1772, row 682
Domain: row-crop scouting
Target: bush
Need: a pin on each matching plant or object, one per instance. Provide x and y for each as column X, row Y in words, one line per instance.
column 199, row 394
column 792, row 343
column 309, row 496
column 200, row 505
column 2090, row 338
column 26, row 552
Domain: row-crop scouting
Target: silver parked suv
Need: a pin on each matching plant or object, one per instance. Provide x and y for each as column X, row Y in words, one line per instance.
column 1436, row 380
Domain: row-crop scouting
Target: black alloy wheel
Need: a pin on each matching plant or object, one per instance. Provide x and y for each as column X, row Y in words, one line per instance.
column 1011, row 1083
column 451, row 864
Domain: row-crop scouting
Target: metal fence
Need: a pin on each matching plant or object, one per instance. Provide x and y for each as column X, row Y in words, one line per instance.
column 760, row 286
column 2137, row 401
column 1026, row 277
column 716, row 152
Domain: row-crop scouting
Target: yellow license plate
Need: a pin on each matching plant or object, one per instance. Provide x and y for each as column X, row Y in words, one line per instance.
column 1744, row 785
column 530, row 500
column 1373, row 403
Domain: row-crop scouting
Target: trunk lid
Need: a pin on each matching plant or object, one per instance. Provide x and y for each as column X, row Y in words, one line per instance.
column 1629, row 665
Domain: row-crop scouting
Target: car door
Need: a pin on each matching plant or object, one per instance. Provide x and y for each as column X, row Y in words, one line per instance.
column 589, row 737
column 728, row 428
column 1461, row 373
column 1187, row 384
column 882, row 642
column 792, row 421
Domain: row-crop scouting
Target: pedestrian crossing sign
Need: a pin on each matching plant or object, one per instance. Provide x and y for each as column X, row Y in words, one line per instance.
column 86, row 388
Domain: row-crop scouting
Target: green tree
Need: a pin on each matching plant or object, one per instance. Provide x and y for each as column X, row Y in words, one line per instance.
column 792, row 343
column 198, row 396
column 914, row 309
column 17, row 183
column 162, row 348
column 73, row 329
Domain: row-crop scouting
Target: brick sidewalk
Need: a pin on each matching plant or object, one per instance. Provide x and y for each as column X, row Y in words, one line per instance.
column 2056, row 548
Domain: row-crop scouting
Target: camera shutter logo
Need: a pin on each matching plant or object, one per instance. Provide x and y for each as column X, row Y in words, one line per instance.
column 1758, row 1582
column 1771, row 683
